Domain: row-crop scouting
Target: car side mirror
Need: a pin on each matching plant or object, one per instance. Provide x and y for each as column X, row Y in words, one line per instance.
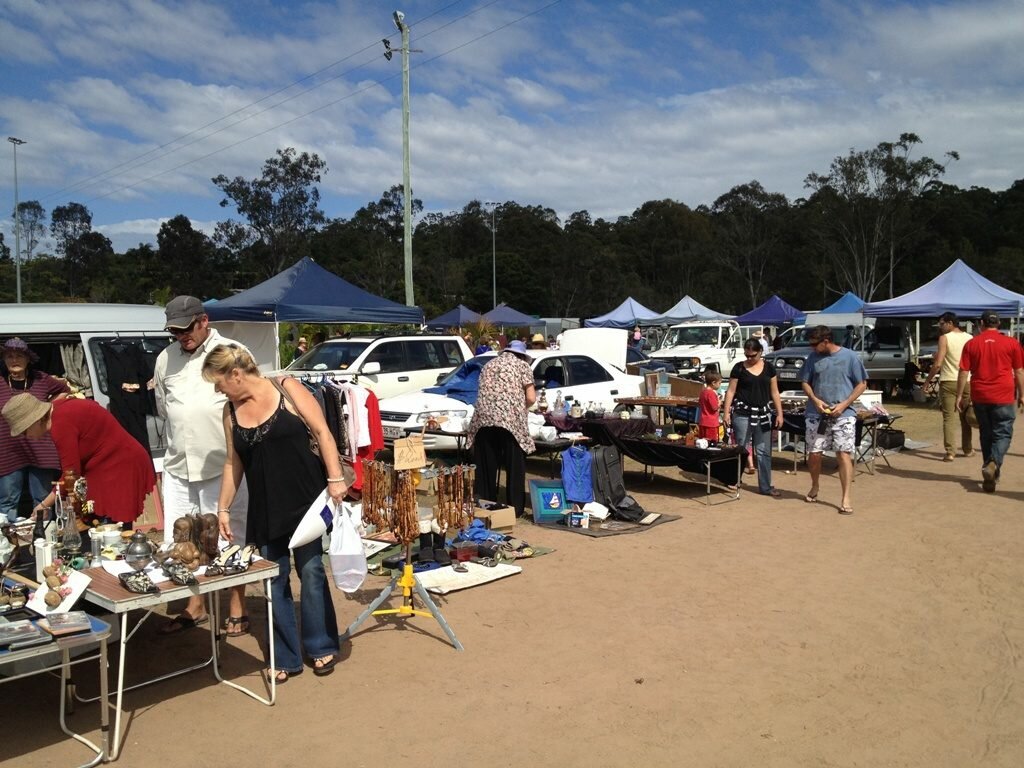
column 439, row 377
column 369, row 369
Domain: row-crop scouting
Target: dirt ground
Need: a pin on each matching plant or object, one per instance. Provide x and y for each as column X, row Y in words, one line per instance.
column 758, row 632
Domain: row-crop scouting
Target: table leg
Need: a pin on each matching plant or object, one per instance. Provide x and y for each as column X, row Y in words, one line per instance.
column 65, row 680
column 213, row 609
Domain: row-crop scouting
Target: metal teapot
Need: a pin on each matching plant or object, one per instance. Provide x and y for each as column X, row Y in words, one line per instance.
column 139, row 553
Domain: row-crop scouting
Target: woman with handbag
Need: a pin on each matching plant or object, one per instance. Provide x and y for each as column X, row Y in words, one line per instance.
column 272, row 429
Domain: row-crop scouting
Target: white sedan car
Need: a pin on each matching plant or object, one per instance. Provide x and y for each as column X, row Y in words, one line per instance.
column 579, row 378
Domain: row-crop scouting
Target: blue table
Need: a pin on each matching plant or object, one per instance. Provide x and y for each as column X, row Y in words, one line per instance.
column 97, row 635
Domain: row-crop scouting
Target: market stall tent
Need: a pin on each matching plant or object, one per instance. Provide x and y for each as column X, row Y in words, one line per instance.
column 454, row 318
column 775, row 311
column 848, row 303
column 689, row 308
column 957, row 289
column 627, row 315
column 303, row 293
column 503, row 314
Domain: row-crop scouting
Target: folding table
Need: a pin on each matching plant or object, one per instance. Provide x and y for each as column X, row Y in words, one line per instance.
column 106, row 592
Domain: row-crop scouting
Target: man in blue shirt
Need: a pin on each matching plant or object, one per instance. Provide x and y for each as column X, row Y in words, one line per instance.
column 833, row 378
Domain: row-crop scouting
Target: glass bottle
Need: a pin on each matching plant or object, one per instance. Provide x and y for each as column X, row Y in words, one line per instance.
column 542, row 401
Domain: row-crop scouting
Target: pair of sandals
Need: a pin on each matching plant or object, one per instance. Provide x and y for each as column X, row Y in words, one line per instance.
column 322, row 666
column 232, row 560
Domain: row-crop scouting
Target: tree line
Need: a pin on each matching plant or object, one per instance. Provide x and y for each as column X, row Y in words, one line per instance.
column 878, row 222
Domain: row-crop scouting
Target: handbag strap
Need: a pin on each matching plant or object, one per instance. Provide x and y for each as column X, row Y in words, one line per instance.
column 277, row 382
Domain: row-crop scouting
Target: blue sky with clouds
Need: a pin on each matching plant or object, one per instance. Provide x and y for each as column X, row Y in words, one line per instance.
column 131, row 106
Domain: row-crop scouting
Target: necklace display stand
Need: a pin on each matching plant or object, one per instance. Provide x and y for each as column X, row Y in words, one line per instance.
column 409, row 584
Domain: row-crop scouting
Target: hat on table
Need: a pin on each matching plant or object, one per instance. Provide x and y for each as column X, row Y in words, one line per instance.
column 181, row 311
column 23, row 411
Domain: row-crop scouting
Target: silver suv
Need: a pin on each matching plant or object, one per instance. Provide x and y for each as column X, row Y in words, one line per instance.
column 884, row 351
column 389, row 366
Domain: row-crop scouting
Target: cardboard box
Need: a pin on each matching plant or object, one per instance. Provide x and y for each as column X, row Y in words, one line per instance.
column 681, row 387
column 501, row 519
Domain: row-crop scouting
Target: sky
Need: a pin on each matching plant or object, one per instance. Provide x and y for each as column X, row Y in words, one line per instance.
column 130, row 107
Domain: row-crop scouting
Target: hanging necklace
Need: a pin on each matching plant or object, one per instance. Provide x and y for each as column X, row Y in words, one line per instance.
column 22, row 383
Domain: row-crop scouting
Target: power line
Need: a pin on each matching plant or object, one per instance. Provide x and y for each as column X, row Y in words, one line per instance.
column 132, row 163
column 350, row 95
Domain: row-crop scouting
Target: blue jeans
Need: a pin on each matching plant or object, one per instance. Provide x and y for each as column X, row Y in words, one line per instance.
column 995, row 430
column 319, row 624
column 761, row 439
column 40, row 483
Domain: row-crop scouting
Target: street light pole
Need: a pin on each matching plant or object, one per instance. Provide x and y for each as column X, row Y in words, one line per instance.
column 17, row 219
column 494, row 262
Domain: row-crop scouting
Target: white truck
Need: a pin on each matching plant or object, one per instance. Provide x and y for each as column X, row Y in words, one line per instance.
column 705, row 345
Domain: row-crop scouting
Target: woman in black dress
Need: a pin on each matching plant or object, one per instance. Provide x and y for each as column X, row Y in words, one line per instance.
column 268, row 441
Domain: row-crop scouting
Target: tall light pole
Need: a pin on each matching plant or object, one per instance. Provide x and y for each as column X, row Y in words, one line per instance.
column 494, row 262
column 17, row 218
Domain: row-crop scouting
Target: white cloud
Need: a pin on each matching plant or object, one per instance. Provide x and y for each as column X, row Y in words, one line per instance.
column 531, row 94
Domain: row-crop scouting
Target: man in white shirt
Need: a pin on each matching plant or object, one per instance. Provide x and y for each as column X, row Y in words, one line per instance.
column 196, row 449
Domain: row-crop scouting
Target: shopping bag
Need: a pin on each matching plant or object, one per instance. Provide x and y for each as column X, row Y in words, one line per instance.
column 348, row 560
column 314, row 523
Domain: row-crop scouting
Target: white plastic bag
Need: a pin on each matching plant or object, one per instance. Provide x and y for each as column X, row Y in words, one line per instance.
column 348, row 560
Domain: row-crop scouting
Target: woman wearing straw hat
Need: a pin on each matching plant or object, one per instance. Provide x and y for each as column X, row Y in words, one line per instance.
column 91, row 443
column 20, row 456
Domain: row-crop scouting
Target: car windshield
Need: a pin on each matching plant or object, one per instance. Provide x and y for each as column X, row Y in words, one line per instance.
column 691, row 334
column 330, row 356
column 839, row 336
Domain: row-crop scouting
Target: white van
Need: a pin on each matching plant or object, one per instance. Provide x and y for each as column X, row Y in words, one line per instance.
column 105, row 351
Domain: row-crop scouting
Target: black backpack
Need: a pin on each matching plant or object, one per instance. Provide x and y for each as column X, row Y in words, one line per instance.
column 609, row 487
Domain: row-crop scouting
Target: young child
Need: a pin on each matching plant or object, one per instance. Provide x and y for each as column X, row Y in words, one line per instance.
column 709, row 407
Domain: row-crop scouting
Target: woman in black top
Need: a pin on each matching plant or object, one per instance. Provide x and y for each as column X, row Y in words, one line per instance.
column 269, row 442
column 753, row 388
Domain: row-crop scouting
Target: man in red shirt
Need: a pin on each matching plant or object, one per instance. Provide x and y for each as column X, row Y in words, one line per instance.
column 996, row 366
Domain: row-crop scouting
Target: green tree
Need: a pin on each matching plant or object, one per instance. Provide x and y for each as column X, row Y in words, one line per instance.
column 863, row 206
column 281, row 209
column 32, row 217
column 747, row 229
column 68, row 223
column 5, row 252
column 188, row 261
column 92, row 255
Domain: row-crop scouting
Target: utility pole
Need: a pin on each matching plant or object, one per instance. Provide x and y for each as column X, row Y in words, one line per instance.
column 494, row 261
column 17, row 218
column 406, row 185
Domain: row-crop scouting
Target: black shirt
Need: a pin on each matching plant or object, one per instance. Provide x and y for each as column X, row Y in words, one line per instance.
column 751, row 389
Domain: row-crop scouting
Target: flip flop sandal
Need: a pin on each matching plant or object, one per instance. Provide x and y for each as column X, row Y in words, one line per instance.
column 236, row 626
column 180, row 623
column 327, row 664
column 487, row 562
column 460, row 567
column 282, row 675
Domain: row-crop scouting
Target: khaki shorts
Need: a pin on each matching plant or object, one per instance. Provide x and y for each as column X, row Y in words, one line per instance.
column 840, row 434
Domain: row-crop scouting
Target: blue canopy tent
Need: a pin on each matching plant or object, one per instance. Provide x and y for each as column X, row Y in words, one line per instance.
column 848, row 303
column 503, row 314
column 775, row 311
column 454, row 318
column 303, row 293
column 957, row 289
column 689, row 309
column 308, row 293
column 628, row 314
